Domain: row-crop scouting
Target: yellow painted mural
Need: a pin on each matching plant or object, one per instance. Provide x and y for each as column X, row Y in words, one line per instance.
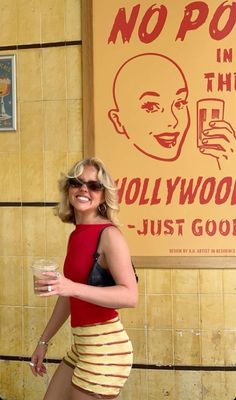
column 165, row 122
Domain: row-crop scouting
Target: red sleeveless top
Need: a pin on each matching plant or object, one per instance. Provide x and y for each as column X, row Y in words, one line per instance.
column 78, row 262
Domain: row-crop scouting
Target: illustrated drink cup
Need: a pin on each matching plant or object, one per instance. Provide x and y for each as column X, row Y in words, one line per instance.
column 43, row 266
column 207, row 110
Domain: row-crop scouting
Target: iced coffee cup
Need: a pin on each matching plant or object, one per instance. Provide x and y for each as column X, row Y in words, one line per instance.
column 41, row 267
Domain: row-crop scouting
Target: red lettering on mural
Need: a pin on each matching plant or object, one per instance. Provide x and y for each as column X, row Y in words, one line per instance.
column 211, row 227
column 171, row 188
column 159, row 227
column 154, row 19
column 188, row 193
column 224, row 55
column 189, row 22
column 215, row 32
column 177, row 190
column 221, row 82
column 123, row 26
column 161, row 14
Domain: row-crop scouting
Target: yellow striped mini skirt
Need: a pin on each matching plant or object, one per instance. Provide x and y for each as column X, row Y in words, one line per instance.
column 102, row 357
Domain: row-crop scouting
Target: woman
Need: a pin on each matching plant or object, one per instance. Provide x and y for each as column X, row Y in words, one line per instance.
column 100, row 359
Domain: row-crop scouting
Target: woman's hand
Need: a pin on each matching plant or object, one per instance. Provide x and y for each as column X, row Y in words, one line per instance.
column 54, row 285
column 220, row 142
column 36, row 363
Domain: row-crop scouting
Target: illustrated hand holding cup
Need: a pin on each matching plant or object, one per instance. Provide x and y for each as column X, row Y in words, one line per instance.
column 44, row 270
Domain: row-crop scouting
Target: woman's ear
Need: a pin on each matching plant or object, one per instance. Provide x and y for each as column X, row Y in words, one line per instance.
column 115, row 119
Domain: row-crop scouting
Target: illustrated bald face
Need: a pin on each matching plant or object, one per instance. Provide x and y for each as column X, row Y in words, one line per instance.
column 150, row 93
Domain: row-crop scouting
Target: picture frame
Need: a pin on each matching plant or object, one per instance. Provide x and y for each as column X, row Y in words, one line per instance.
column 7, row 93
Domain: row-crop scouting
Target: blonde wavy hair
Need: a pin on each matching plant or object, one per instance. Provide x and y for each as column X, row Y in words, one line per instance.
column 109, row 209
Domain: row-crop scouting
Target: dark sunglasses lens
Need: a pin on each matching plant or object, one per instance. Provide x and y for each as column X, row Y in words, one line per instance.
column 94, row 186
column 91, row 185
column 75, row 183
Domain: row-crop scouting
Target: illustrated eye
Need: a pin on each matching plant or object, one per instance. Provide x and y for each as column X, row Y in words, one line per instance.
column 151, row 107
column 180, row 104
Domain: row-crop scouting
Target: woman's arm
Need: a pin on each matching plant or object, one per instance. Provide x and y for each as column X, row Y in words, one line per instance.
column 59, row 315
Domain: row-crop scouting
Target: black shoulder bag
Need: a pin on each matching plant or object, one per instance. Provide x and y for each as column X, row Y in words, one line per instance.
column 98, row 275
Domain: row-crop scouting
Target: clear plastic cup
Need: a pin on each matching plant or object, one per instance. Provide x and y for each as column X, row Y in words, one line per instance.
column 39, row 267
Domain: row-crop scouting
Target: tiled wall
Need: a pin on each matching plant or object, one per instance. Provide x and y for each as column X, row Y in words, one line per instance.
column 185, row 318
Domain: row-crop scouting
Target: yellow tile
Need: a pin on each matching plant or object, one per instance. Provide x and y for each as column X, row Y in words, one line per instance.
column 9, row 141
column 28, row 21
column 52, row 20
column 74, row 72
column 54, row 73
column 229, row 311
column 32, row 126
column 212, row 316
column 30, row 75
column 72, row 20
column 159, row 281
column 138, row 338
column 187, row 347
column 55, row 125
column 11, row 330
column 11, row 380
column 74, row 125
column 34, row 322
column 134, row 317
column 212, row 344
column 32, row 176
column 211, row 281
column 230, row 384
column 142, row 273
column 55, row 163
column 229, row 280
column 188, row 383
column 186, row 311
column 10, row 238
column 8, row 12
column 135, row 387
column 61, row 342
column 230, row 348
column 33, row 231
column 213, row 385
column 159, row 312
column 73, row 157
column 185, row 281
column 34, row 387
column 10, row 177
column 56, row 245
column 11, row 281
column 161, row 385
column 160, row 347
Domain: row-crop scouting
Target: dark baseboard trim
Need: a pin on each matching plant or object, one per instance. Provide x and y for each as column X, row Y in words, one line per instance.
column 140, row 366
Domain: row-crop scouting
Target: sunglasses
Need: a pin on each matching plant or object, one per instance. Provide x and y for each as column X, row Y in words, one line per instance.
column 95, row 186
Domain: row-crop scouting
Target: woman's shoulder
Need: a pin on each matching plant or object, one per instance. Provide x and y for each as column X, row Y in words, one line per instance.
column 111, row 233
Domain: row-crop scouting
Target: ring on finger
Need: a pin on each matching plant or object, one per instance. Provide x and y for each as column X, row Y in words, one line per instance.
column 49, row 288
column 31, row 364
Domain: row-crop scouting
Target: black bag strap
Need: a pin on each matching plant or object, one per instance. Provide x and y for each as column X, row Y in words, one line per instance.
column 96, row 254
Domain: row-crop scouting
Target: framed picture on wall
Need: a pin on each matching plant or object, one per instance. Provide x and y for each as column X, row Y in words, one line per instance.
column 7, row 93
column 159, row 110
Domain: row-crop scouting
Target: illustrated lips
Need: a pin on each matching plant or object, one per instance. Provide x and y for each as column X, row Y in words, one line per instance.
column 167, row 140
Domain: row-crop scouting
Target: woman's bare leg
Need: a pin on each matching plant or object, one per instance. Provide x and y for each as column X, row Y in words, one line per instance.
column 60, row 385
column 76, row 394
